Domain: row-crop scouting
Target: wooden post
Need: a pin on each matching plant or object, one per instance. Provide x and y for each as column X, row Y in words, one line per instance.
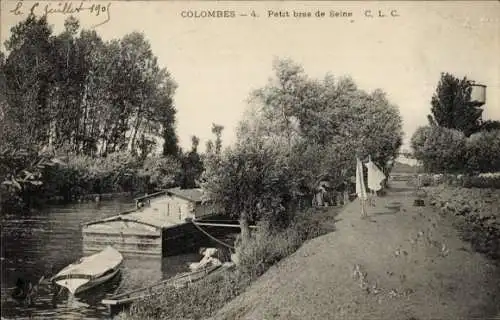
column 363, row 208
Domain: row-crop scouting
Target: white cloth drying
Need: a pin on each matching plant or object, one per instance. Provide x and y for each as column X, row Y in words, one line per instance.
column 360, row 182
column 375, row 176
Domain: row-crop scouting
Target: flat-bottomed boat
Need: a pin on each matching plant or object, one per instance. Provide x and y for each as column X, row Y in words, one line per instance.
column 90, row 271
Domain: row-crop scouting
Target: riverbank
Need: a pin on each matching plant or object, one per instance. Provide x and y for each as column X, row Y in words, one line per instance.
column 264, row 249
column 410, row 264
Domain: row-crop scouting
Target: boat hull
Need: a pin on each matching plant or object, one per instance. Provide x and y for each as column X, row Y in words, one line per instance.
column 90, row 271
column 75, row 286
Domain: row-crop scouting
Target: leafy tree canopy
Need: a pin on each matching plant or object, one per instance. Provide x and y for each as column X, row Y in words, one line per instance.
column 296, row 132
column 451, row 107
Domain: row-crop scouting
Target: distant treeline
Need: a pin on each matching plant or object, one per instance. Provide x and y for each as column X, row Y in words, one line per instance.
column 457, row 139
column 79, row 115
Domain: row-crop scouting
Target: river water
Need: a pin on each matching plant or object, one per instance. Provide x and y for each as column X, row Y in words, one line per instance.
column 40, row 244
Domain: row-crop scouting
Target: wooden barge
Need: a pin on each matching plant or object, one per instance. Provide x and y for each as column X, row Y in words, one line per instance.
column 160, row 225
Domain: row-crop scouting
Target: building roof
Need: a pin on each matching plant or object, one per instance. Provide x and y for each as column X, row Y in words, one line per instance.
column 192, row 195
column 152, row 195
column 146, row 216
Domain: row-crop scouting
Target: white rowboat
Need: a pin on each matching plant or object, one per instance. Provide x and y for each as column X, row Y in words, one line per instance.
column 90, row 271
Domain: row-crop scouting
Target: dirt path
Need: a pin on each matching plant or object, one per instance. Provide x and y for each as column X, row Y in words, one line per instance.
column 396, row 265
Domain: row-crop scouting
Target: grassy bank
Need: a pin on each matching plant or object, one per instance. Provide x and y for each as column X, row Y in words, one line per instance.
column 264, row 249
column 475, row 213
column 409, row 264
column 430, row 263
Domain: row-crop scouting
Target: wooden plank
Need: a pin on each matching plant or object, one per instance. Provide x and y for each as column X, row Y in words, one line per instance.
column 127, row 251
column 128, row 243
column 187, row 277
column 152, row 249
column 142, row 235
column 120, row 238
column 211, row 224
column 124, row 246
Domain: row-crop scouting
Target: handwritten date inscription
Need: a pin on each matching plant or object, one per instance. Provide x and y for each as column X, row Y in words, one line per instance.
column 64, row 8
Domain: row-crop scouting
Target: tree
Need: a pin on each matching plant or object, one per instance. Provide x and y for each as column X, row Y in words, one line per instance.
column 28, row 98
column 195, row 142
column 440, row 149
column 209, row 147
column 250, row 183
column 94, row 101
column 490, row 125
column 217, row 131
column 451, row 106
column 170, row 140
column 192, row 166
column 160, row 172
column 298, row 131
column 326, row 114
column 85, row 95
column 483, row 149
column 21, row 173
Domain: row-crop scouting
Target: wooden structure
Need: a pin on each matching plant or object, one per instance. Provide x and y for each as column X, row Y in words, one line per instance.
column 159, row 225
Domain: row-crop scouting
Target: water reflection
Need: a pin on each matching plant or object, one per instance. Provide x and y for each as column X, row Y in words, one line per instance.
column 41, row 244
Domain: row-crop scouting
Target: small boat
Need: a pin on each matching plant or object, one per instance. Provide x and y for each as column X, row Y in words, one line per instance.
column 179, row 281
column 90, row 271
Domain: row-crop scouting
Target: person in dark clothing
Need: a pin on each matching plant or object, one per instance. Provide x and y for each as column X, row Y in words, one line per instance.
column 20, row 290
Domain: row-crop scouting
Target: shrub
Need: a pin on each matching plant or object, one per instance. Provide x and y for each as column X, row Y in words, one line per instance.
column 483, row 151
column 484, row 237
column 481, row 182
column 267, row 246
column 418, row 141
column 160, row 172
column 264, row 249
column 444, row 150
column 81, row 175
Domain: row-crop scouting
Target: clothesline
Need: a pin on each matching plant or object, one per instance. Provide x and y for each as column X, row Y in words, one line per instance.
column 375, row 180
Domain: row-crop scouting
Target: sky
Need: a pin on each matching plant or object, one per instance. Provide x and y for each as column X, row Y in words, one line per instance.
column 217, row 62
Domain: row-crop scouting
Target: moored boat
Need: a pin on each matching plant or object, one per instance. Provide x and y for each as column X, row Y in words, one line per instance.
column 174, row 283
column 90, row 271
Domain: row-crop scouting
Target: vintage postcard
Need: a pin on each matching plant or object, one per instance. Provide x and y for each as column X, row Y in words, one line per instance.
column 250, row 159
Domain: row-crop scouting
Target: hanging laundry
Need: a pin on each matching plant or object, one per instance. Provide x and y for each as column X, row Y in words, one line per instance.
column 375, row 176
column 360, row 182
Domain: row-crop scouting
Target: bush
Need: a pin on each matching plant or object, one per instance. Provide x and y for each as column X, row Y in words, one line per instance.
column 465, row 181
column 76, row 176
column 440, row 149
column 446, row 150
column 267, row 247
column 484, row 237
column 418, row 141
column 160, row 172
column 264, row 249
column 81, row 175
column 481, row 182
column 483, row 151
